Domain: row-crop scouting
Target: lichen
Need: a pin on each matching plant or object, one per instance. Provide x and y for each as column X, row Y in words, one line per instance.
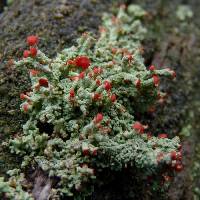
column 184, row 12
column 83, row 109
column 13, row 190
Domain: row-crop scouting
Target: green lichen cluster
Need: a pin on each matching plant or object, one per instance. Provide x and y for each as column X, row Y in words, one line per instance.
column 184, row 12
column 13, row 190
column 81, row 121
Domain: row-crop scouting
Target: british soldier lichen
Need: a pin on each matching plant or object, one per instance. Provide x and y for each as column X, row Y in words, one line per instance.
column 82, row 108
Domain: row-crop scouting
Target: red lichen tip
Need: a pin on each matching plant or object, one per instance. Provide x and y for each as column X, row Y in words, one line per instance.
column 26, row 53
column 81, row 75
column 96, row 96
column 72, row 93
column 43, row 82
column 173, row 74
column 152, row 68
column 22, row 96
column 162, row 136
column 156, row 80
column 98, row 82
column 138, row 83
column 85, row 151
column 25, row 107
column 97, row 70
column 107, row 85
column 114, row 50
column 94, row 151
column 82, row 61
column 70, row 62
column 149, row 135
column 98, row 118
column 113, row 98
column 138, row 127
column 34, row 72
column 32, row 40
column 179, row 156
column 129, row 57
column 179, row 167
column 173, row 155
column 33, row 52
column 180, row 147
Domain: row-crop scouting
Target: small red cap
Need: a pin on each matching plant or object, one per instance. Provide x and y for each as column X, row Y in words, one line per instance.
column 173, row 155
column 70, row 62
column 98, row 118
column 22, row 96
column 43, row 82
column 156, row 80
column 32, row 40
column 152, row 68
column 34, row 72
column 179, row 167
column 25, row 107
column 138, row 127
column 72, row 93
column 138, row 83
column 107, row 85
column 162, row 135
column 26, row 53
column 96, row 96
column 81, row 75
column 33, row 51
column 82, row 61
column 113, row 97
column 98, row 82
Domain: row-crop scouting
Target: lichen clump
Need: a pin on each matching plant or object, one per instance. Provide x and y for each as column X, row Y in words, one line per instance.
column 83, row 108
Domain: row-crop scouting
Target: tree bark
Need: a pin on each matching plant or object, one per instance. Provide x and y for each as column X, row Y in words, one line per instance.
column 3, row 3
column 58, row 23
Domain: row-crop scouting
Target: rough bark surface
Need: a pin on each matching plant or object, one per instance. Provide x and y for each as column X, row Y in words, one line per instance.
column 58, row 24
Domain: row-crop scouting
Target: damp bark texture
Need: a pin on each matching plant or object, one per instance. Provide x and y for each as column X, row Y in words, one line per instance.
column 170, row 42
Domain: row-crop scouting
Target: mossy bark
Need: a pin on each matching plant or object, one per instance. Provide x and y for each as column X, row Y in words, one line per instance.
column 169, row 42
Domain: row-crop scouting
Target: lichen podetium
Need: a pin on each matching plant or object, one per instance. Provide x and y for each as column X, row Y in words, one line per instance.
column 83, row 107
